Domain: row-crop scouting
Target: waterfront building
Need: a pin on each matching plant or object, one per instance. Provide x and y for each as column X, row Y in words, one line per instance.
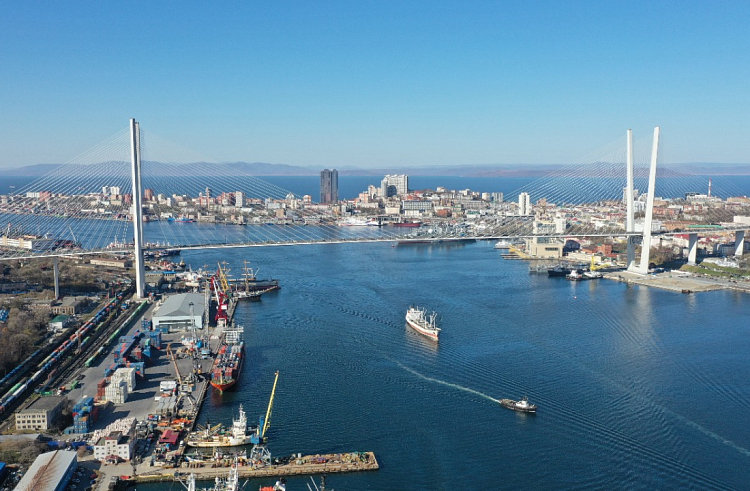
column 329, row 186
column 394, row 185
column 116, row 445
column 51, row 471
column 42, row 414
column 175, row 313
column 111, row 262
column 416, row 208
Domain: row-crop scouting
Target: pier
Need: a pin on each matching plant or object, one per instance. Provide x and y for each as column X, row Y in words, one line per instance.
column 304, row 465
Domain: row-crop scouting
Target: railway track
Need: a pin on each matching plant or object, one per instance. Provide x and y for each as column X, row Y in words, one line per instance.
column 99, row 335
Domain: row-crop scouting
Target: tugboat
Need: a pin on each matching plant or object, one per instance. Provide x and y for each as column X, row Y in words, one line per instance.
column 522, row 406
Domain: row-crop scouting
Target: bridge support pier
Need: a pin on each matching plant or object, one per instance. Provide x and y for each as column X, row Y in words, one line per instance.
column 692, row 248
column 739, row 242
column 56, row 269
column 629, row 205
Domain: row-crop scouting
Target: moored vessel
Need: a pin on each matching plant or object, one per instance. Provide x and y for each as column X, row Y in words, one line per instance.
column 423, row 323
column 216, row 436
column 226, row 368
column 558, row 270
column 522, row 406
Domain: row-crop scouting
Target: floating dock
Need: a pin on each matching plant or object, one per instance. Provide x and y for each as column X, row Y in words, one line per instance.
column 305, row 465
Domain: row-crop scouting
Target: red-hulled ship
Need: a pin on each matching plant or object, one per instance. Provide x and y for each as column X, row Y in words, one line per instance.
column 228, row 363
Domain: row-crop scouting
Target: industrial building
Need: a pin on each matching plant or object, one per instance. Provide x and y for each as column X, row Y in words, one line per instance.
column 51, row 471
column 116, row 444
column 181, row 311
column 42, row 413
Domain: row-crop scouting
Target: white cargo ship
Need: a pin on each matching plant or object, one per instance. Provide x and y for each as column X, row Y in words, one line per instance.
column 422, row 322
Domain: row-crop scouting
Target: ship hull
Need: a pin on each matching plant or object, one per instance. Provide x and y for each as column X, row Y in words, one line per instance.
column 222, row 382
column 223, row 442
column 421, row 330
column 513, row 406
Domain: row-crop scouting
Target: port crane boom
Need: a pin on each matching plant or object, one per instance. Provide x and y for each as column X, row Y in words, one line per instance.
column 265, row 423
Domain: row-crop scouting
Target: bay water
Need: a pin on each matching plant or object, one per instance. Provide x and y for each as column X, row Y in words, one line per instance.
column 637, row 388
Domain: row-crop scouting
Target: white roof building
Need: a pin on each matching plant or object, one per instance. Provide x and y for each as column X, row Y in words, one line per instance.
column 175, row 312
column 50, row 471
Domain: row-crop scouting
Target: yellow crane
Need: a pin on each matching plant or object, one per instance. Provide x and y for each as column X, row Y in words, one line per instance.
column 594, row 266
column 260, row 436
column 223, row 278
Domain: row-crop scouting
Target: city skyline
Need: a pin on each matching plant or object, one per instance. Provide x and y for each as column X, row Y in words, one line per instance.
column 372, row 85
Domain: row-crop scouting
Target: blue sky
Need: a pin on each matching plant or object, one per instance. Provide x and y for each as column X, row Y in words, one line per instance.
column 376, row 84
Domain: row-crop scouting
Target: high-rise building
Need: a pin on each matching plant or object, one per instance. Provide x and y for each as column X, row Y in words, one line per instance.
column 524, row 204
column 394, row 185
column 329, row 186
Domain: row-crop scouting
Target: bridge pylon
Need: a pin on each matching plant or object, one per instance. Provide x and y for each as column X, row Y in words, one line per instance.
column 642, row 268
column 135, row 147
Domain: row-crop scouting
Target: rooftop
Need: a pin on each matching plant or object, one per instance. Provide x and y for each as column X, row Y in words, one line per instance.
column 179, row 305
column 47, row 471
column 44, row 404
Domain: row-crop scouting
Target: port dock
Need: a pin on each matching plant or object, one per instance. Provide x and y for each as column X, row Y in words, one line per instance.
column 157, row 459
column 299, row 466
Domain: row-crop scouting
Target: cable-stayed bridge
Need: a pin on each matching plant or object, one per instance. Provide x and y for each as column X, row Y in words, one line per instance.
column 137, row 191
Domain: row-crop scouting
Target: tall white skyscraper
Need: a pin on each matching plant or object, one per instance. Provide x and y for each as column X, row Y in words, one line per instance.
column 394, row 185
column 524, row 204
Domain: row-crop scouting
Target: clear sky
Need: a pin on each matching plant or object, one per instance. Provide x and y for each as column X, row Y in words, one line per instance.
column 376, row 83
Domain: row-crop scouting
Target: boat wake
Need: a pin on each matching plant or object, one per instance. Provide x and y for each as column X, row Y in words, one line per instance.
column 443, row 382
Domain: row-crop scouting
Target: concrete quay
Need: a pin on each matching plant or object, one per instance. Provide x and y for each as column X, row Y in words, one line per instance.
column 676, row 281
column 305, row 465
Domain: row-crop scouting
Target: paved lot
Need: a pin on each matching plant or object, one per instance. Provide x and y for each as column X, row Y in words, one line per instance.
column 677, row 281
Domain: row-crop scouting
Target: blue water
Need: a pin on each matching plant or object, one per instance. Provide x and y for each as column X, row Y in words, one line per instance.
column 351, row 186
column 638, row 388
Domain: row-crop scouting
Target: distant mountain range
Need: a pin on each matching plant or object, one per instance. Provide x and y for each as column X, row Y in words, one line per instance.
column 488, row 170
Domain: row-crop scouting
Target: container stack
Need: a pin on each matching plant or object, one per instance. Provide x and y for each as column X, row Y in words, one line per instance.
column 117, row 392
column 100, row 389
column 126, row 375
column 155, row 337
column 84, row 415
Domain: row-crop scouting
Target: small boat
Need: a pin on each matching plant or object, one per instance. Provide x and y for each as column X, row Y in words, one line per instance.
column 522, row 406
column 576, row 275
column 408, row 224
column 423, row 323
column 502, row 244
column 558, row 270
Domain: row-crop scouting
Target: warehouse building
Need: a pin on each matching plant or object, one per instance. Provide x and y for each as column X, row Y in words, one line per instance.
column 51, row 471
column 42, row 414
column 175, row 312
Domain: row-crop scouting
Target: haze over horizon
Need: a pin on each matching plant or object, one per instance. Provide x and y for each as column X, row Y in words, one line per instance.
column 372, row 85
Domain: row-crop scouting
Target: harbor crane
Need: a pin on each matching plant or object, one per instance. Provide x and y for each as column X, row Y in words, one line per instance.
column 265, row 422
column 260, row 455
column 185, row 385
